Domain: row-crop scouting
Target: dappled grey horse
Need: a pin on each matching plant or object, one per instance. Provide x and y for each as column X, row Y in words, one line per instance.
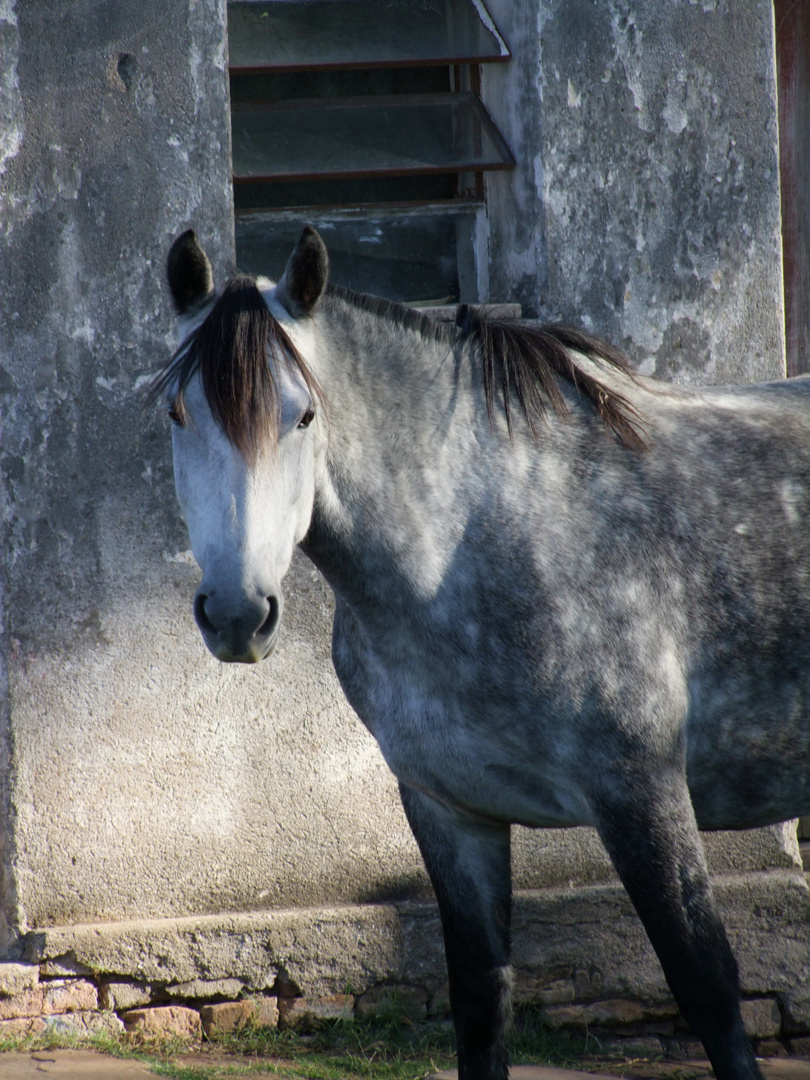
column 564, row 595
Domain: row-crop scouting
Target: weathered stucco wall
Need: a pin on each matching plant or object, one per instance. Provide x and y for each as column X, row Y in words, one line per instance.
column 140, row 778
column 645, row 203
column 113, row 131
column 144, row 778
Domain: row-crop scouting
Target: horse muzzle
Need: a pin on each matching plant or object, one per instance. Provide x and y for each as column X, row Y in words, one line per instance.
column 238, row 632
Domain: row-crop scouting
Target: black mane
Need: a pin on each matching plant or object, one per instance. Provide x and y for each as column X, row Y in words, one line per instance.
column 526, row 359
column 230, row 349
column 532, row 359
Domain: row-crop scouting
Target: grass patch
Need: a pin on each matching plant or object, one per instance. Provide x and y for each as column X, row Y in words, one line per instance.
column 348, row 1050
column 393, row 1047
column 533, row 1043
column 389, row 1048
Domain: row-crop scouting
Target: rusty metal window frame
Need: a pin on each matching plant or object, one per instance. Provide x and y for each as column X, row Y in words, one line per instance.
column 410, row 170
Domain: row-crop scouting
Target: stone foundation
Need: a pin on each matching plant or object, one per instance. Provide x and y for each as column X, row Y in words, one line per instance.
column 580, row 957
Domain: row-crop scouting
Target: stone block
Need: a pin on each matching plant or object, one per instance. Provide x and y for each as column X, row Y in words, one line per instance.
column 645, row 1046
column 62, row 967
column 304, row 1012
column 206, row 988
column 84, row 1023
column 230, row 1016
column 684, row 1048
column 558, row 992
column 613, row 1013
column 588, row 985
column 223, row 1019
column 795, row 1014
column 22, row 1025
column 800, row 1045
column 26, row 1003
column 265, row 1012
column 761, row 1018
column 321, row 950
column 164, row 1022
column 118, row 997
column 560, row 986
column 62, row 996
column 641, row 1047
column 772, row 1048
column 15, row 978
column 409, row 1002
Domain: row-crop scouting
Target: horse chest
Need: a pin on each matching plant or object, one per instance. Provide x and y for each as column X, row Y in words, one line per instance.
column 456, row 730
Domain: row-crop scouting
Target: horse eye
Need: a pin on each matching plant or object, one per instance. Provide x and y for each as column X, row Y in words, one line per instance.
column 307, row 418
column 175, row 415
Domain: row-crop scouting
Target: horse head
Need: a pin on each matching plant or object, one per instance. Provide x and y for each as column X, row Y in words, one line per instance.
column 245, row 429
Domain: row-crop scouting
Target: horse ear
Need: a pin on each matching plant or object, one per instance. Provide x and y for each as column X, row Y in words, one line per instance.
column 304, row 278
column 189, row 272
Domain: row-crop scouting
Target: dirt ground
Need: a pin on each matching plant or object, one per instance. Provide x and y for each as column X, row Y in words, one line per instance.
column 92, row 1065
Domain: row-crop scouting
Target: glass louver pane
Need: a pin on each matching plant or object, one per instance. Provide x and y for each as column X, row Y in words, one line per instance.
column 309, row 34
column 413, row 258
column 420, row 133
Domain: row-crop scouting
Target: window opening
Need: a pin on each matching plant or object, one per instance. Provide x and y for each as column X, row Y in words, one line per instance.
column 365, row 119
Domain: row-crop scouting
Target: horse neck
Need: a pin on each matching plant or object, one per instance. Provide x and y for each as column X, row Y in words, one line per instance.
column 392, row 401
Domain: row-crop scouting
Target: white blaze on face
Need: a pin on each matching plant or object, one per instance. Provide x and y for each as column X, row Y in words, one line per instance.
column 243, row 518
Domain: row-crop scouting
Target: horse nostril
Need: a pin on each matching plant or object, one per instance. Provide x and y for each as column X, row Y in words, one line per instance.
column 202, row 619
column 270, row 623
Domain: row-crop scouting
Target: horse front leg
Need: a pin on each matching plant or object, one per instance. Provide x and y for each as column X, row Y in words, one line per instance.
column 469, row 866
column 647, row 823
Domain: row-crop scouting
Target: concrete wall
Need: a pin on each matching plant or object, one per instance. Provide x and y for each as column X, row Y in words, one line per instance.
column 114, row 131
column 645, row 203
column 141, row 779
